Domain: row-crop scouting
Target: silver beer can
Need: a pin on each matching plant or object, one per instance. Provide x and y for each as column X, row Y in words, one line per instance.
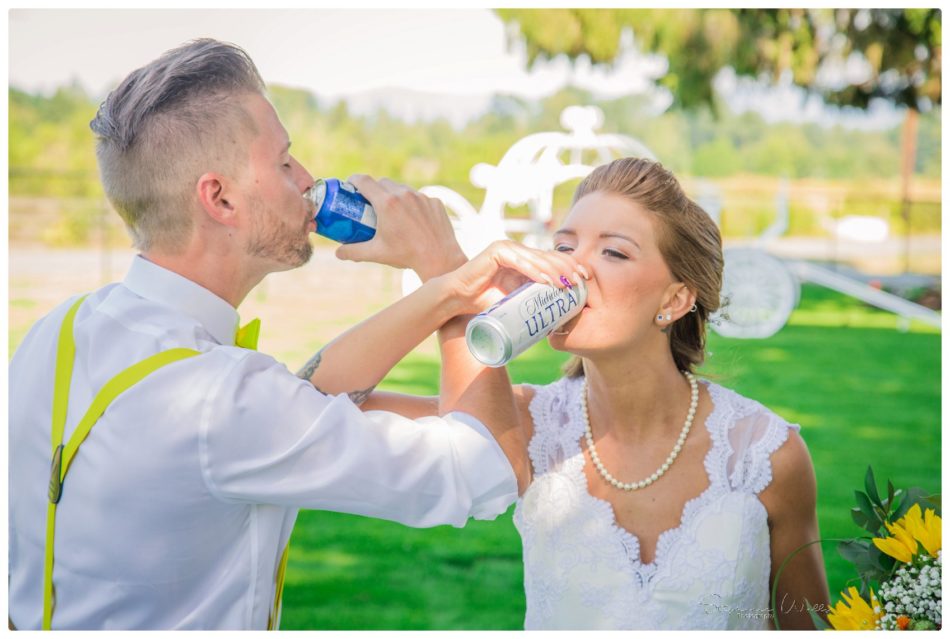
column 521, row 319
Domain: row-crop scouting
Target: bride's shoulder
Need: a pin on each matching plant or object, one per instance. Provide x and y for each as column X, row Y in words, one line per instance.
column 793, row 490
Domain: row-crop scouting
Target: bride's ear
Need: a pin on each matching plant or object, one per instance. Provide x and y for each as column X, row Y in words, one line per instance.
column 679, row 300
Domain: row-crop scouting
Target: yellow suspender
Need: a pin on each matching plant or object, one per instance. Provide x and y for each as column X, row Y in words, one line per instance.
column 279, row 592
column 63, row 455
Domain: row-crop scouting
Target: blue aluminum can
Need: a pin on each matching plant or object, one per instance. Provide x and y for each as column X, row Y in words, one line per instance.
column 342, row 214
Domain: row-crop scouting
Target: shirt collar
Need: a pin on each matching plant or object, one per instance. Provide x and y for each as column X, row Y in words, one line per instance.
column 153, row 282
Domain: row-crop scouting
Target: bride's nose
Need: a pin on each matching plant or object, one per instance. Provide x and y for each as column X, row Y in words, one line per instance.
column 582, row 256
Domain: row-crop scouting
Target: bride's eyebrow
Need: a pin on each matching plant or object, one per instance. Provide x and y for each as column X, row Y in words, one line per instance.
column 623, row 237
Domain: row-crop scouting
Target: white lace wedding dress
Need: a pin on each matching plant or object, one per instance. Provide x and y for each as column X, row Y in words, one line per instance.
column 581, row 570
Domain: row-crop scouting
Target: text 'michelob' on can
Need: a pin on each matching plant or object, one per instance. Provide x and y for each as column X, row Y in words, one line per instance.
column 521, row 319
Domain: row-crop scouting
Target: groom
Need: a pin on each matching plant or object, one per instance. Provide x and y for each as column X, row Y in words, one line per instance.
column 169, row 501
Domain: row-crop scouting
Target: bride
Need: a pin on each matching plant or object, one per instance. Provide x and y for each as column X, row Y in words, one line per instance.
column 655, row 499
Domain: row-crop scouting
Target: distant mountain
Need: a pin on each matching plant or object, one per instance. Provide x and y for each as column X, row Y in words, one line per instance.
column 418, row 106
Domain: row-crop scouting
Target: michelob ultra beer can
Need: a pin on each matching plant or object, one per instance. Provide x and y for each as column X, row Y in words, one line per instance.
column 521, row 319
column 342, row 214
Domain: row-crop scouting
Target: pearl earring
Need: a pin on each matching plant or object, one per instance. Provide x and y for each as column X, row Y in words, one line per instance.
column 668, row 317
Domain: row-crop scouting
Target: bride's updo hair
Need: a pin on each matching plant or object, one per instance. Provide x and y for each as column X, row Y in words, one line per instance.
column 688, row 239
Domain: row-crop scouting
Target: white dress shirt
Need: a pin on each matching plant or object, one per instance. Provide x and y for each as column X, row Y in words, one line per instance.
column 179, row 503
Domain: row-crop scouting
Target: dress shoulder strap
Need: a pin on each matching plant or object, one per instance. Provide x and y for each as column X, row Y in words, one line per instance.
column 753, row 433
column 554, row 413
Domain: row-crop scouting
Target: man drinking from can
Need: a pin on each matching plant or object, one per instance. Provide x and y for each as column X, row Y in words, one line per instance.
column 157, row 461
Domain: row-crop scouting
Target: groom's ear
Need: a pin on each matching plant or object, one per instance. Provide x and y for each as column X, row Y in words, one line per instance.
column 217, row 199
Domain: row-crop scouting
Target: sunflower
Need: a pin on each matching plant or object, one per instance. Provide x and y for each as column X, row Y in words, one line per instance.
column 901, row 545
column 908, row 531
column 925, row 529
column 854, row 613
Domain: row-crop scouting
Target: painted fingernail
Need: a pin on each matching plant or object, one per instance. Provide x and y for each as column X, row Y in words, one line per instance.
column 577, row 278
column 566, row 282
column 583, row 271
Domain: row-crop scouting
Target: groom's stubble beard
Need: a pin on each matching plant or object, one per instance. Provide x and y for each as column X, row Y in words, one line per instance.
column 275, row 238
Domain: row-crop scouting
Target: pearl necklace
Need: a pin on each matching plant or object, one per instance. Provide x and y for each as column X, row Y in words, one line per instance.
column 693, row 400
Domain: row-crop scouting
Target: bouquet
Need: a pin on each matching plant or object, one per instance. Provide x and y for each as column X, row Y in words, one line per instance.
column 903, row 557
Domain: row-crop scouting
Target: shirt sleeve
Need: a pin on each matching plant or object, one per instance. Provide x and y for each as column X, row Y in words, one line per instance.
column 267, row 436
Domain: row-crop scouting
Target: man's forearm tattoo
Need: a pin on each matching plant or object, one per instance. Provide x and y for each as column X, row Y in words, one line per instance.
column 311, row 366
column 357, row 397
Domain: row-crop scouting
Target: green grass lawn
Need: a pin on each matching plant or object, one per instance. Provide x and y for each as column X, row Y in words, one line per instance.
column 863, row 392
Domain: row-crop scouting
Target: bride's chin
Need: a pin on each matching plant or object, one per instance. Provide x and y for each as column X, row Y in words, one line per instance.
column 558, row 337
column 558, row 341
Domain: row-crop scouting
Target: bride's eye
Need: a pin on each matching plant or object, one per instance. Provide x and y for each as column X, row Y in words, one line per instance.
column 615, row 254
column 563, row 248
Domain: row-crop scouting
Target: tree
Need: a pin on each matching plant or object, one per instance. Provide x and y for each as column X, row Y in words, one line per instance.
column 848, row 56
column 898, row 48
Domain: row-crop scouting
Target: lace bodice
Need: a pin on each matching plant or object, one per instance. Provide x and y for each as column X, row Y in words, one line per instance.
column 584, row 571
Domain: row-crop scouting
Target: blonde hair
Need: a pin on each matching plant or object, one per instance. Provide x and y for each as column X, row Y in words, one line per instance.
column 688, row 240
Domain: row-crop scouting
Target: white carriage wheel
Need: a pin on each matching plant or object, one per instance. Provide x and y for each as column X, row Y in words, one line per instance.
column 758, row 292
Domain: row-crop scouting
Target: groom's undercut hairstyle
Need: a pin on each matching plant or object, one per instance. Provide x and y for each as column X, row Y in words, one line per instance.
column 164, row 126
